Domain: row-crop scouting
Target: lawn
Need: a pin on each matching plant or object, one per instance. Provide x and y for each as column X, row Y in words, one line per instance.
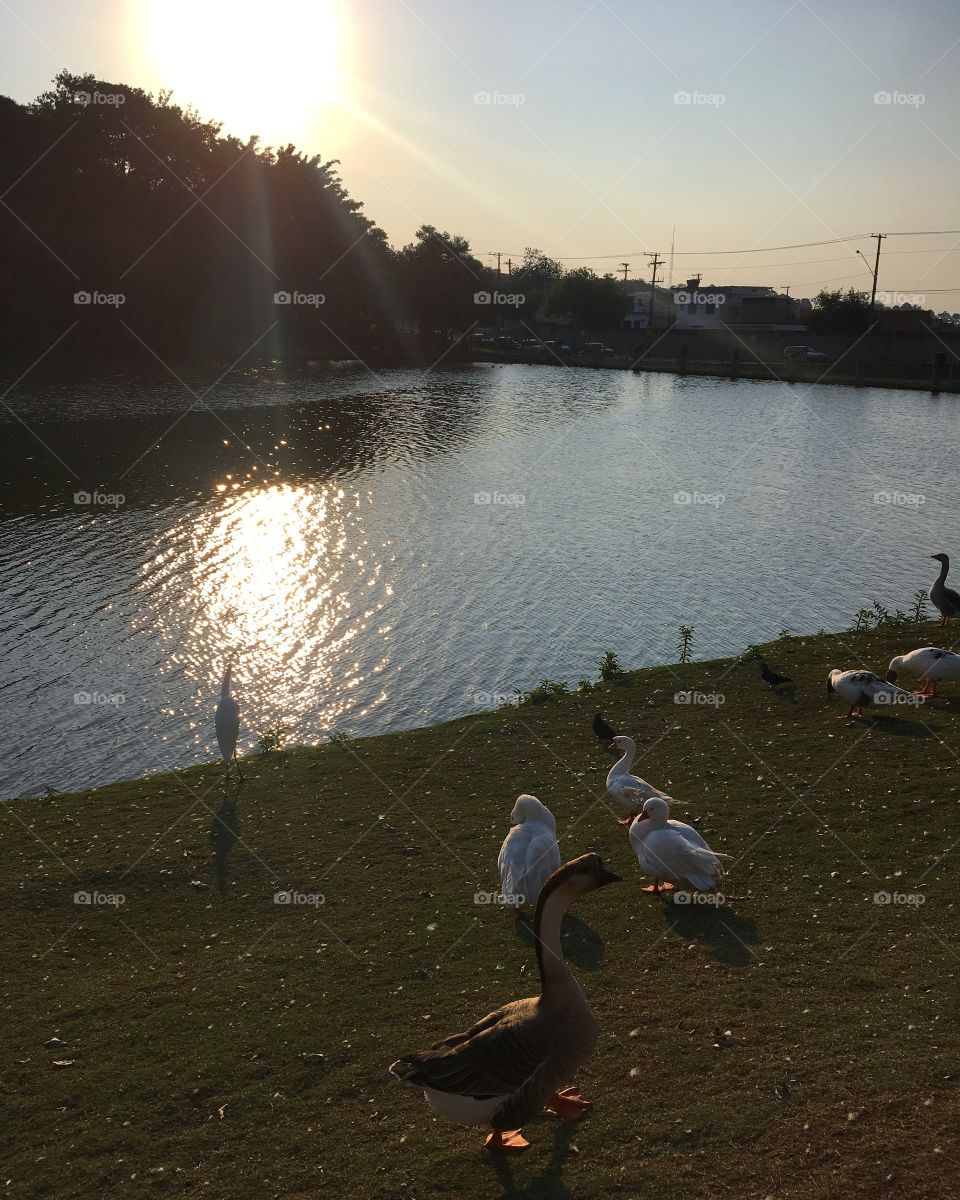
column 798, row 1040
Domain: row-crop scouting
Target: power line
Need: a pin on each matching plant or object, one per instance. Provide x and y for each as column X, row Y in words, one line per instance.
column 857, row 237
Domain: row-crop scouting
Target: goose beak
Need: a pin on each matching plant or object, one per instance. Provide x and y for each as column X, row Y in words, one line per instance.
column 609, row 877
column 642, row 816
column 613, row 746
column 891, row 677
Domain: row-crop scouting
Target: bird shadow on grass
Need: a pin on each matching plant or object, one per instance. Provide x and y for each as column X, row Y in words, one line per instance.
column 224, row 834
column 727, row 935
column 786, row 692
column 581, row 945
column 548, row 1185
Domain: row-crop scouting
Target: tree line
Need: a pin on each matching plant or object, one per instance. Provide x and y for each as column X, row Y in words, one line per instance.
column 132, row 228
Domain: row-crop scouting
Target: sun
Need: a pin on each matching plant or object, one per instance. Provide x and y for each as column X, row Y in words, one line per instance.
column 269, row 67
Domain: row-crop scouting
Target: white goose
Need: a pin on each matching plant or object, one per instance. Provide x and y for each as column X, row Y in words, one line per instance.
column 861, row 689
column 931, row 664
column 628, row 790
column 672, row 851
column 226, row 721
column 530, row 853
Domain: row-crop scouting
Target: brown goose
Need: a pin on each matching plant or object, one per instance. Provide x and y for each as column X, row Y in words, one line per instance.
column 511, row 1066
column 945, row 600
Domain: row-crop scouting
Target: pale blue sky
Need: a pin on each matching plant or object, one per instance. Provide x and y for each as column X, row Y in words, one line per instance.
column 785, row 143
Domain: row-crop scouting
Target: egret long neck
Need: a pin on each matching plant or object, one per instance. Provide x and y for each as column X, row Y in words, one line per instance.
column 546, row 928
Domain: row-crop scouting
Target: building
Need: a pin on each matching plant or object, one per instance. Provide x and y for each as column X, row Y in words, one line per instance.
column 714, row 306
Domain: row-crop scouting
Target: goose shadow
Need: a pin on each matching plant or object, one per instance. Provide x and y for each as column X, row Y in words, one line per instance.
column 726, row 934
column 224, row 835
column 548, row 1185
column 581, row 945
column 786, row 692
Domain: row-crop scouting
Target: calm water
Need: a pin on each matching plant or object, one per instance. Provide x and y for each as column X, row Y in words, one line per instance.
column 331, row 537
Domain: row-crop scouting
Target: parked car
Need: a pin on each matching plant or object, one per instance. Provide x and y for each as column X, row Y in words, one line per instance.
column 806, row 352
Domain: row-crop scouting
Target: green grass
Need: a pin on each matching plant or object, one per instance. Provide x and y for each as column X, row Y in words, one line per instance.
column 798, row 1042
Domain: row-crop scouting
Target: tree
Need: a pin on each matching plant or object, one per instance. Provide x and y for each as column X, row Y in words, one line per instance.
column 536, row 276
column 840, row 312
column 590, row 300
column 440, row 279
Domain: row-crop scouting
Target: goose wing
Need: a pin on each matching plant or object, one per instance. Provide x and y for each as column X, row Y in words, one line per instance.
column 542, row 859
column 512, row 859
column 499, row 1056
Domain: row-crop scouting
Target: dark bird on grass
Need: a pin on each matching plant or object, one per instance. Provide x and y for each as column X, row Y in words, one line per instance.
column 604, row 731
column 772, row 677
column 945, row 600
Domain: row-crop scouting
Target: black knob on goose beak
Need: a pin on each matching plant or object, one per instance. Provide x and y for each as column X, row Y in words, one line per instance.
column 609, row 877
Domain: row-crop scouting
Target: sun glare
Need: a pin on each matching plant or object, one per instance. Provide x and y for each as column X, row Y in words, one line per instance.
column 273, row 69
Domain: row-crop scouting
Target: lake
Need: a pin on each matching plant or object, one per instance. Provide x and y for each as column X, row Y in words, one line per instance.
column 379, row 552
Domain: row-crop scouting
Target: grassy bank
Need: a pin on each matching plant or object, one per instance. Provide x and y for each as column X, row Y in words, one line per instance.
column 799, row 1041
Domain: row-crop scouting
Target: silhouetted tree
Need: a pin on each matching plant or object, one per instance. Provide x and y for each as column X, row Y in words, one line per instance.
column 840, row 312
column 440, row 279
column 588, row 299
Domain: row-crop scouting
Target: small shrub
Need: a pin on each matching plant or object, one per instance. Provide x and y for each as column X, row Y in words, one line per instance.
column 271, row 738
column 918, row 614
column 685, row 643
column 610, row 668
column 546, row 689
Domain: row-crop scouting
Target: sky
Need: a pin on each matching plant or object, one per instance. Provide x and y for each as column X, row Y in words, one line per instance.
column 596, row 130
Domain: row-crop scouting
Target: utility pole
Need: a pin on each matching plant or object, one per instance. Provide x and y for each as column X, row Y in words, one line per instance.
column 655, row 261
column 509, row 266
column 626, row 268
column 876, row 269
column 497, row 253
column 673, row 237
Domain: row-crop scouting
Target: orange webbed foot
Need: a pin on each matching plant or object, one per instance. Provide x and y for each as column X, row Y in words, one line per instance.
column 506, row 1139
column 567, row 1104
